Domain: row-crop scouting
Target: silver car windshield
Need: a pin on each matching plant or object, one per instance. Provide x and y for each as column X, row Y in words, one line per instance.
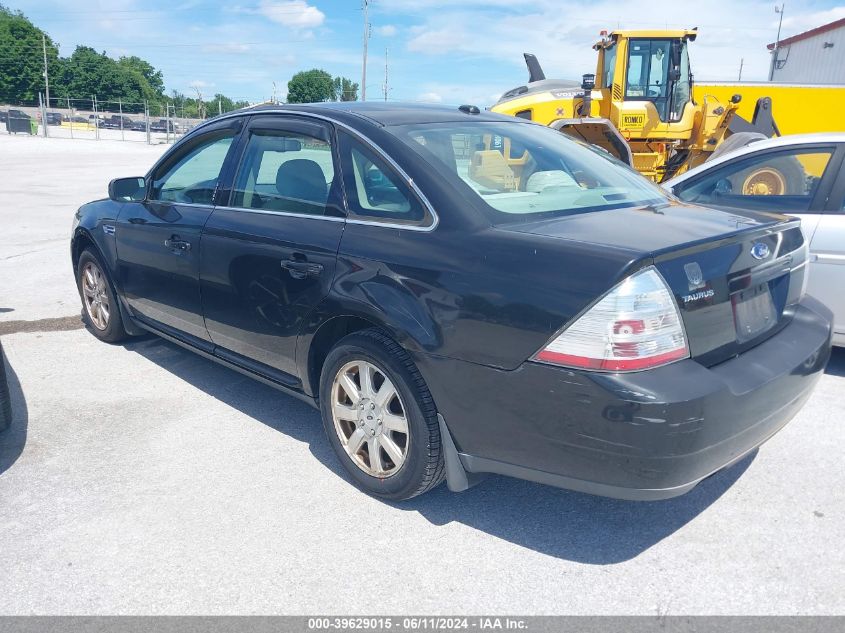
column 522, row 169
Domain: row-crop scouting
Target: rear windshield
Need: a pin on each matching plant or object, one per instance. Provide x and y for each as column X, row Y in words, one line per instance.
column 523, row 170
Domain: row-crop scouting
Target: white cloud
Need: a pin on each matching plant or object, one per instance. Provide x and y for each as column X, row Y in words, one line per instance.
column 794, row 24
column 561, row 33
column 388, row 30
column 437, row 41
column 430, row 97
column 297, row 14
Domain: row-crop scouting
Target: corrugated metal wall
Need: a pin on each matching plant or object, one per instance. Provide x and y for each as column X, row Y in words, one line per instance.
column 808, row 61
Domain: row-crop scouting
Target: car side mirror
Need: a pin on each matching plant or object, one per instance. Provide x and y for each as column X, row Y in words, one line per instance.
column 128, row 189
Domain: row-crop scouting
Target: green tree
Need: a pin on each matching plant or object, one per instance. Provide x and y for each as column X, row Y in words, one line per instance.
column 220, row 104
column 21, row 58
column 311, row 86
column 154, row 77
column 86, row 73
column 345, row 89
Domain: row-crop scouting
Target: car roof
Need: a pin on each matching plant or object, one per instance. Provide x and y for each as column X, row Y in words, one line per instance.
column 818, row 138
column 386, row 113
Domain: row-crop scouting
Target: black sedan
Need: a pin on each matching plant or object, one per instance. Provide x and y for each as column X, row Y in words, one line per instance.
column 463, row 293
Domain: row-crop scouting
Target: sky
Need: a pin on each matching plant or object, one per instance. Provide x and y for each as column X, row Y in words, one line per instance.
column 464, row 51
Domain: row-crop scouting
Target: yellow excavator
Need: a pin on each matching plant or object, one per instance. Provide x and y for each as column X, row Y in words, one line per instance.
column 643, row 107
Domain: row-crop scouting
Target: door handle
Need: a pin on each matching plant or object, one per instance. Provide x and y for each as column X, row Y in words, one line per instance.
column 300, row 269
column 176, row 244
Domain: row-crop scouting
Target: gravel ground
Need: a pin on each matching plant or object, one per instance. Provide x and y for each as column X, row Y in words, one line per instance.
column 143, row 479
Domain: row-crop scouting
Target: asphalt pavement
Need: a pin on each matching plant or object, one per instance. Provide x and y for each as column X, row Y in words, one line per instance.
column 143, row 479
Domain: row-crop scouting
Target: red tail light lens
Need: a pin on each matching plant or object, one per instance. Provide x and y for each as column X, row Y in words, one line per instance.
column 635, row 326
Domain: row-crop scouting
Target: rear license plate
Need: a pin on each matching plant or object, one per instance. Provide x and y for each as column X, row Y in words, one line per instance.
column 754, row 312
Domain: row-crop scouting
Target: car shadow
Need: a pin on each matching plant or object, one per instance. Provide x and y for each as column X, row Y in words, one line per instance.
column 836, row 364
column 13, row 437
column 560, row 523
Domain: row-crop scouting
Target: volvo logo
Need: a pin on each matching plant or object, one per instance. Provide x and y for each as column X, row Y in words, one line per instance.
column 760, row 250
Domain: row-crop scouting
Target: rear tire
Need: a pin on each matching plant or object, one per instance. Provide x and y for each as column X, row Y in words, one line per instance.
column 374, row 401
column 100, row 310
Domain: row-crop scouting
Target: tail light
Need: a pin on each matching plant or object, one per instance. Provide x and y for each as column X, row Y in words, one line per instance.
column 634, row 326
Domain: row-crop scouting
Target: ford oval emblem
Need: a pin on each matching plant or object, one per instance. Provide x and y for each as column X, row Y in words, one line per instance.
column 760, row 250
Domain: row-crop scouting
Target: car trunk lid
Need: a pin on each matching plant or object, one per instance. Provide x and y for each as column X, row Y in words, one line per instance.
column 736, row 276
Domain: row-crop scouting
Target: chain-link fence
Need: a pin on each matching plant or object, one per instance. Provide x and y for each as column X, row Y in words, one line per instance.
column 92, row 119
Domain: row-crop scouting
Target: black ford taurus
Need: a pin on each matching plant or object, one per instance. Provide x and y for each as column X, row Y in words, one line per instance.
column 463, row 293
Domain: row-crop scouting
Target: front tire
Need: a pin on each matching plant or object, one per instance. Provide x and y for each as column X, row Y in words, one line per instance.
column 100, row 310
column 380, row 417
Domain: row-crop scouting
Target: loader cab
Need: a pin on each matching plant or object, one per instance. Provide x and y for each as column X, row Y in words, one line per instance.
column 642, row 68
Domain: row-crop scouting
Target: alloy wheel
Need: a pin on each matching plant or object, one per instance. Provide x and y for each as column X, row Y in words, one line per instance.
column 370, row 418
column 95, row 295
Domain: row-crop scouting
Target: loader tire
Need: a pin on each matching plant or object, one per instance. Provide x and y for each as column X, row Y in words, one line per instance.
column 782, row 176
column 735, row 141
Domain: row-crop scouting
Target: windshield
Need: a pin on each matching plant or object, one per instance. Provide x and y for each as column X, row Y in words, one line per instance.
column 521, row 169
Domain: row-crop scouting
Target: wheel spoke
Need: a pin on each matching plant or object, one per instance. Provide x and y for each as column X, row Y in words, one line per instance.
column 353, row 444
column 395, row 423
column 385, row 394
column 345, row 412
column 89, row 278
column 349, row 386
column 104, row 313
column 373, row 447
column 88, row 292
column 95, row 316
column 392, row 450
column 365, row 377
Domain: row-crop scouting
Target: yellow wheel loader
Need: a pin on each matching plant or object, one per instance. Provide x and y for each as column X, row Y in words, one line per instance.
column 643, row 107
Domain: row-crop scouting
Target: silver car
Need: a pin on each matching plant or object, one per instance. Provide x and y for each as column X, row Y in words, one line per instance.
column 801, row 175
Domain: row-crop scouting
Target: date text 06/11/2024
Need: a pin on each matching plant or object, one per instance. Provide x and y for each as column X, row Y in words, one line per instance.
column 416, row 623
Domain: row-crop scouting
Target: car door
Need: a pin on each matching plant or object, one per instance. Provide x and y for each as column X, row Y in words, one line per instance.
column 158, row 239
column 269, row 253
column 827, row 254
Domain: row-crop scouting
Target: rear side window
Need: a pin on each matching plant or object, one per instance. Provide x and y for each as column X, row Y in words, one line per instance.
column 285, row 171
column 374, row 190
column 784, row 181
column 191, row 174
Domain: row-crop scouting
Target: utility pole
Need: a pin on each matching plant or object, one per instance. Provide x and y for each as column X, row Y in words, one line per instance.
column 46, row 76
column 385, row 74
column 365, row 5
column 777, row 42
column 741, row 62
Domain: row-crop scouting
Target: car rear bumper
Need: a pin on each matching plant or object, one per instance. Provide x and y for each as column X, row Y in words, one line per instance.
column 644, row 435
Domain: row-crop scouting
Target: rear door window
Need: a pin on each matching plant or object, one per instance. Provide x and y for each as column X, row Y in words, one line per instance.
column 285, row 170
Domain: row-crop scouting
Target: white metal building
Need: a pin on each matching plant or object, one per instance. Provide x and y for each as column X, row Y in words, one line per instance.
column 816, row 56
